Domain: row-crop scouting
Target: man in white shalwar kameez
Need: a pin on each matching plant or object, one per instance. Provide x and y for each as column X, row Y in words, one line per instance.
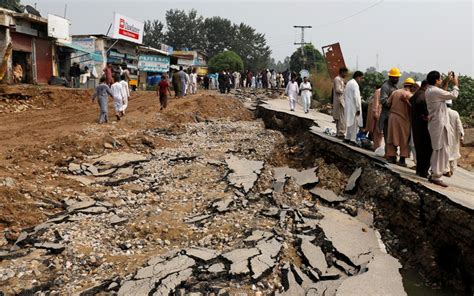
column 126, row 94
column 118, row 94
column 438, row 124
column 305, row 89
column 338, row 113
column 458, row 138
column 353, row 107
column 292, row 91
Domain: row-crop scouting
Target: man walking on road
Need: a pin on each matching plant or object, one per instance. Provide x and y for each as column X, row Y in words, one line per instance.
column 353, row 107
column 184, row 81
column 306, row 89
column 386, row 90
column 292, row 91
column 338, row 103
column 438, row 125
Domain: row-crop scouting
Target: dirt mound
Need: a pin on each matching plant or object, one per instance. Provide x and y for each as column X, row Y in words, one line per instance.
column 203, row 107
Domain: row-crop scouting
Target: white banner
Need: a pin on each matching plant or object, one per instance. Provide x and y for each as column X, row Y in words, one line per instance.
column 127, row 29
column 58, row 28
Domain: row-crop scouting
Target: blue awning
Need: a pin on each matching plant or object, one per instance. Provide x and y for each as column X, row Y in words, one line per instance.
column 96, row 57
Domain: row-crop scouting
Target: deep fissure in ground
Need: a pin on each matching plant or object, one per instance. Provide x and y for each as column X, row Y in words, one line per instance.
column 422, row 228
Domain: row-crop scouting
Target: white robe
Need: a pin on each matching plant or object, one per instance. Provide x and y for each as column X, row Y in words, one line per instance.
column 458, row 134
column 126, row 94
column 352, row 103
column 438, row 123
column 292, row 90
column 118, row 94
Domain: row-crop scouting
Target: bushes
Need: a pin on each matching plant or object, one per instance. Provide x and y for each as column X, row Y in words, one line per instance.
column 224, row 61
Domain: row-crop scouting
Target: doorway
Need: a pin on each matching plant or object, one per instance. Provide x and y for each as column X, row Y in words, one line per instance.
column 24, row 60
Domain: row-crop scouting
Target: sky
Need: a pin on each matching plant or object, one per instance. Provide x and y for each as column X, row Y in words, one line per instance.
column 413, row 35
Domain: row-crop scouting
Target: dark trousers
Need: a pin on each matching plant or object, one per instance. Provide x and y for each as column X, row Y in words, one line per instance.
column 163, row 100
column 422, row 141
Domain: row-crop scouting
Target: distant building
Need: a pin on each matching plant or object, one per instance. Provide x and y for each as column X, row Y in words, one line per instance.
column 152, row 63
column 191, row 59
column 24, row 40
column 118, row 52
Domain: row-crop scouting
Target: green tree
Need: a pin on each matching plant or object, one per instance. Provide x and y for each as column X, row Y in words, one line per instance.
column 464, row 104
column 279, row 66
column 251, row 46
column 184, row 29
column 12, row 5
column 217, row 34
column 371, row 81
column 227, row 60
column 311, row 59
column 153, row 33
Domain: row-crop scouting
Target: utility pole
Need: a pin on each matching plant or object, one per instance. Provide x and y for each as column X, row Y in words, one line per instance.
column 377, row 63
column 302, row 43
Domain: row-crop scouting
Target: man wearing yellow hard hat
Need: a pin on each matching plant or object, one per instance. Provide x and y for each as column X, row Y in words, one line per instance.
column 399, row 126
column 386, row 90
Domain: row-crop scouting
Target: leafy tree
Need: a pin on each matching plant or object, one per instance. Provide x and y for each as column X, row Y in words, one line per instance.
column 251, row 46
column 311, row 59
column 371, row 81
column 184, row 29
column 213, row 35
column 12, row 5
column 464, row 104
column 153, row 33
column 217, row 34
column 227, row 60
column 279, row 66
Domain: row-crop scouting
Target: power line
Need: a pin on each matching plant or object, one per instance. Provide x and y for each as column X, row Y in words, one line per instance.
column 350, row 16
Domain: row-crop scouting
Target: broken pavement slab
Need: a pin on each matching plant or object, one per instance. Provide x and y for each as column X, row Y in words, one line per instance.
column 203, row 254
column 383, row 275
column 197, row 219
column 239, row 260
column 81, row 205
column 165, row 268
column 119, row 159
column 352, row 182
column 52, row 247
column 117, row 220
column 303, row 178
column 349, row 236
column 223, row 205
column 327, row 195
column 244, row 172
column 314, row 255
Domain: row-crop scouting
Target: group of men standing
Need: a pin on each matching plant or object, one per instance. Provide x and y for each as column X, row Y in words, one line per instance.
column 415, row 118
column 184, row 82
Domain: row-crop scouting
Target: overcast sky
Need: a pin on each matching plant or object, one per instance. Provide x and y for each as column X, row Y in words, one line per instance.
column 413, row 35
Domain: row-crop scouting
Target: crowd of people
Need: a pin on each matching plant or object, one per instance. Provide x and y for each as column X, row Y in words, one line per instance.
column 415, row 119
